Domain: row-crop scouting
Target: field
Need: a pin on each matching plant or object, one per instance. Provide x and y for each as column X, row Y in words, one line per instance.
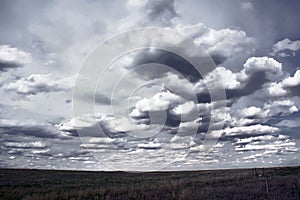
column 268, row 183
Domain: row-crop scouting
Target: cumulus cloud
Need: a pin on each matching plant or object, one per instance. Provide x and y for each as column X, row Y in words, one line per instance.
column 87, row 124
column 285, row 48
column 251, row 130
column 160, row 101
column 268, row 99
column 243, row 141
column 226, row 42
column 255, row 73
column 40, row 83
column 280, row 107
column 12, row 58
column 277, row 146
column 270, row 66
column 31, row 128
column 292, row 81
column 107, row 125
column 260, row 138
column 289, row 86
column 178, row 85
column 223, row 44
column 269, row 144
column 184, row 109
column 251, row 115
column 220, row 77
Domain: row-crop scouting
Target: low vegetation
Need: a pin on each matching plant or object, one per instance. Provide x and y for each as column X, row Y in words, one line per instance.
column 270, row 183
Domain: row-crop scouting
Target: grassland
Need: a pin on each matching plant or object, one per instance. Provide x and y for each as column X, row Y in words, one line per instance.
column 270, row 183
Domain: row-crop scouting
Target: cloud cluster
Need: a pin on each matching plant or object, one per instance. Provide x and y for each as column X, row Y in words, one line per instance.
column 245, row 124
column 166, row 119
column 256, row 72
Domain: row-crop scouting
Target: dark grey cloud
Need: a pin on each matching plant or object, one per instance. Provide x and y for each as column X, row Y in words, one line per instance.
column 102, row 99
column 293, row 90
column 98, row 98
column 218, row 58
column 68, row 101
column 4, row 66
column 173, row 61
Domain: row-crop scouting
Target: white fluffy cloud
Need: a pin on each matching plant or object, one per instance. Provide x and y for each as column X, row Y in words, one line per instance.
column 268, row 110
column 280, row 144
column 34, row 144
column 159, row 102
column 218, row 78
column 288, row 86
column 12, row 57
column 292, row 81
column 85, row 121
column 31, row 128
column 282, row 107
column 40, row 83
column 227, row 42
column 272, row 67
column 221, row 44
column 250, row 130
column 184, row 109
column 178, row 85
column 225, row 78
column 286, row 44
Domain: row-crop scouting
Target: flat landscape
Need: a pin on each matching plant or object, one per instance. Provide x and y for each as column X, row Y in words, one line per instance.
column 260, row 183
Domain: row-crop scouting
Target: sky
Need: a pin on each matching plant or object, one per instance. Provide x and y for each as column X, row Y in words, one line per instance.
column 139, row 85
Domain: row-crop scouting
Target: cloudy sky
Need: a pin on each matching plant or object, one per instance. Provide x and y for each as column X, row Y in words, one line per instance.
column 62, row 107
